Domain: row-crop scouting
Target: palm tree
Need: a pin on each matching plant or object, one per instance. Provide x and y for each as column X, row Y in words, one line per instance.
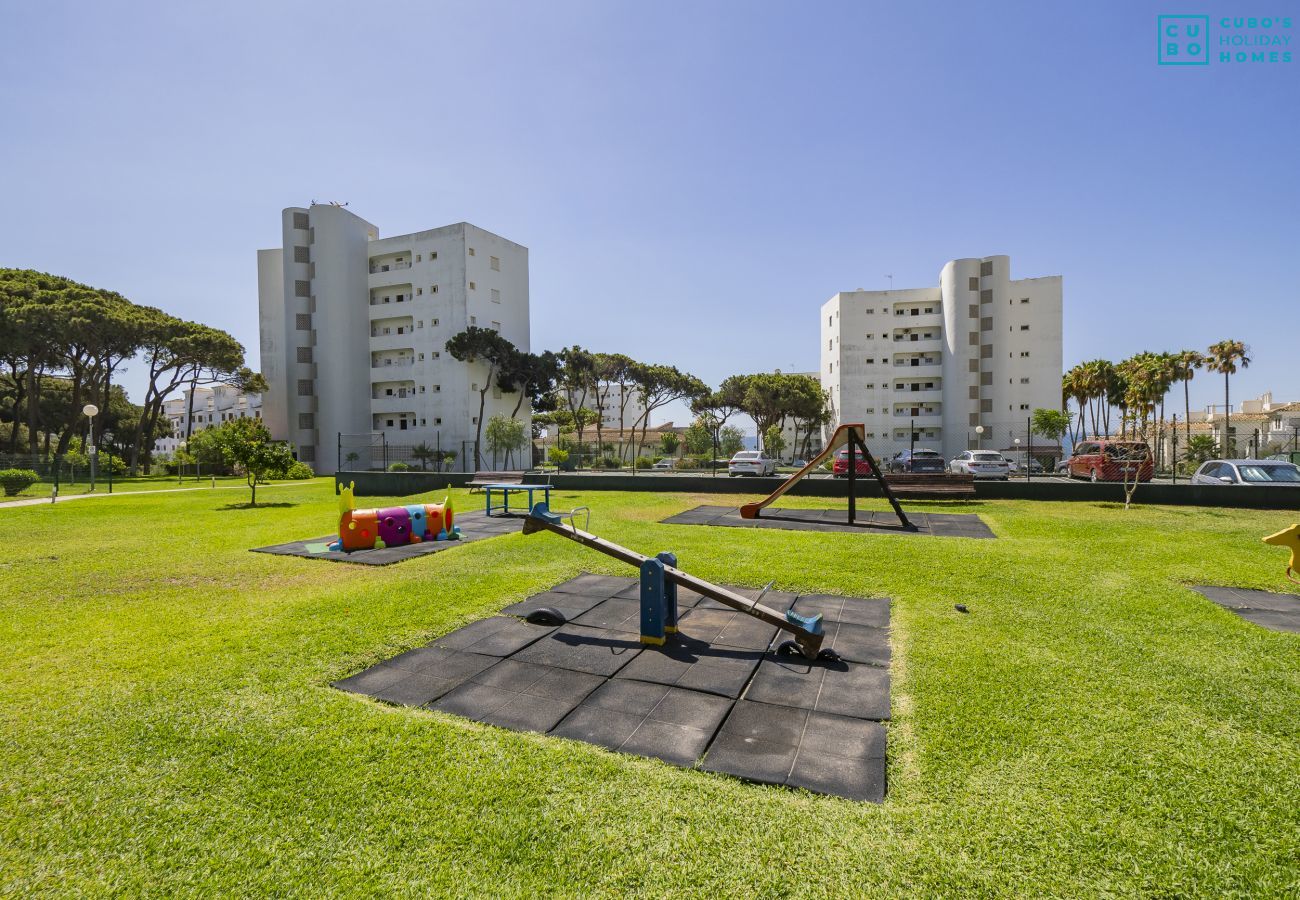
column 423, row 452
column 1074, row 386
column 1225, row 356
column 1188, row 361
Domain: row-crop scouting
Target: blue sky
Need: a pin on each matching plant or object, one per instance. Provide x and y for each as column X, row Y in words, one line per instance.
column 693, row 180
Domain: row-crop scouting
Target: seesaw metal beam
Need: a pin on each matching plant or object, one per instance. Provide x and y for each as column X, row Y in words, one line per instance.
column 808, row 638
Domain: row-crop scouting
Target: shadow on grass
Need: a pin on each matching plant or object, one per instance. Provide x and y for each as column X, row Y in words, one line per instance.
column 258, row 506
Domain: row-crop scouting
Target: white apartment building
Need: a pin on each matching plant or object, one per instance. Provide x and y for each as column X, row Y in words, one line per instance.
column 212, row 406
column 980, row 349
column 354, row 330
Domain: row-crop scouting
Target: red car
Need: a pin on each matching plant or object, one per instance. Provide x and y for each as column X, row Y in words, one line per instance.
column 1111, row 461
column 841, row 467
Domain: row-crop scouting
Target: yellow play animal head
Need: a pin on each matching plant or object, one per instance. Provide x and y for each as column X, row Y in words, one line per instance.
column 347, row 498
column 1289, row 538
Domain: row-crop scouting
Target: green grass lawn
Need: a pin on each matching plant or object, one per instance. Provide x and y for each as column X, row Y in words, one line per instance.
column 1092, row 727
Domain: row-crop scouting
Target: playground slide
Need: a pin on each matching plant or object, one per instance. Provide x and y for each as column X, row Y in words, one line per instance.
column 838, row 440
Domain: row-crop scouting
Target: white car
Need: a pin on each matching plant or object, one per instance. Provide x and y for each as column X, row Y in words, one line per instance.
column 751, row 462
column 667, row 463
column 981, row 464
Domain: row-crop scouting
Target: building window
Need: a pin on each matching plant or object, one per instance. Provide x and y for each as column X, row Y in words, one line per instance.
column 302, row 288
column 306, row 421
column 830, row 368
column 433, row 256
column 974, row 283
column 1024, row 354
column 433, row 323
column 301, row 255
column 496, row 326
column 1024, row 406
column 496, row 296
column 302, row 321
column 986, row 296
column 304, row 354
column 437, row 388
column 307, row 453
column 390, row 423
column 419, row 323
column 870, row 311
column 433, row 289
column 1024, row 299
column 986, row 323
column 304, row 387
column 899, row 312
column 473, row 286
column 871, row 337
column 474, row 421
column 421, row 357
column 830, row 344
column 1024, row 381
column 495, row 263
column 421, row 389
column 870, row 360
column 870, row 386
column 437, row 354
column 830, row 321
column 419, row 292
column 471, row 251
column 473, row 320
column 986, row 268
column 929, row 309
column 300, row 220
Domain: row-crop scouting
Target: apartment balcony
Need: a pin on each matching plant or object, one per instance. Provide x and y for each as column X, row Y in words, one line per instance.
column 908, row 361
column 920, row 320
column 915, row 344
column 397, row 405
column 926, row 395
column 392, row 363
column 391, row 299
column 380, row 268
column 393, row 341
column 386, row 276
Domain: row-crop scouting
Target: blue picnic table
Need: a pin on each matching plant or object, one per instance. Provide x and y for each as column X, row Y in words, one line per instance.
column 505, row 489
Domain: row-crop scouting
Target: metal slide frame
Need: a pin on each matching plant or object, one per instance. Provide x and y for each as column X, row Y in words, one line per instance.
column 845, row 434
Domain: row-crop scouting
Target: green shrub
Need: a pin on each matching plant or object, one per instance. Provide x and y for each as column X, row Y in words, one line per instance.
column 687, row 462
column 610, row 462
column 398, row 467
column 644, row 462
column 16, row 480
column 300, row 470
column 558, row 456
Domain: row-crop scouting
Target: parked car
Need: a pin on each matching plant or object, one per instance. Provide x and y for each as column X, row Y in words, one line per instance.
column 1111, row 461
column 841, row 467
column 1247, row 471
column 1017, row 467
column 981, row 464
column 1062, row 466
column 751, row 462
column 667, row 463
column 918, row 460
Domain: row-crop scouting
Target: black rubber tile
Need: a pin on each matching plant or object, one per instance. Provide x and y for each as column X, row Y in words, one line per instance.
column 1272, row 618
column 571, row 606
column 801, row 748
column 654, row 720
column 474, row 527
column 725, row 628
column 966, row 525
column 598, row 586
column 856, row 643
column 618, row 614
column 695, row 666
column 582, row 650
column 519, row 695
column 1245, row 598
column 374, row 679
column 497, row 636
column 840, row 688
column 418, row 677
column 873, row 612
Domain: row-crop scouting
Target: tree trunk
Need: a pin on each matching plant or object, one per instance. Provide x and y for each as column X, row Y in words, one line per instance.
column 1187, row 410
column 478, row 434
column 1227, row 430
column 33, row 406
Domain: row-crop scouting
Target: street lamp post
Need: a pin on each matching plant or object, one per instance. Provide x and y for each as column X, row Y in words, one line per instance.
column 91, row 410
column 107, row 437
column 979, row 436
column 1017, row 443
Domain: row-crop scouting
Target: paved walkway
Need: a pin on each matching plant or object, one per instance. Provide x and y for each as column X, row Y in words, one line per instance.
column 37, row 501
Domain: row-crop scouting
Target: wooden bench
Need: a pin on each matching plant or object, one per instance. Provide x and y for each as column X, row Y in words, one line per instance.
column 481, row 479
column 924, row 484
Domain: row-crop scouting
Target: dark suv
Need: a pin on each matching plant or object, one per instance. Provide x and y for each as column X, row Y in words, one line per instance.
column 917, row 461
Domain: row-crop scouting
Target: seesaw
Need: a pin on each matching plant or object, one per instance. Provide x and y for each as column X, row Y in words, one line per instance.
column 660, row 579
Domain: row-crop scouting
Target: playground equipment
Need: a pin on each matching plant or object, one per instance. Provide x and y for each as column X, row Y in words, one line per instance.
column 660, row 579
column 375, row 529
column 845, row 434
column 1289, row 538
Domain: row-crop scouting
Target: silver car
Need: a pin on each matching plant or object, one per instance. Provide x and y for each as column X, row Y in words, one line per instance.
column 1248, row 472
column 751, row 462
column 981, row 464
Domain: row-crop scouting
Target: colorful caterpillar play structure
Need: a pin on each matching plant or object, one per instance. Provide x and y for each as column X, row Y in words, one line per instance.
column 375, row 529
